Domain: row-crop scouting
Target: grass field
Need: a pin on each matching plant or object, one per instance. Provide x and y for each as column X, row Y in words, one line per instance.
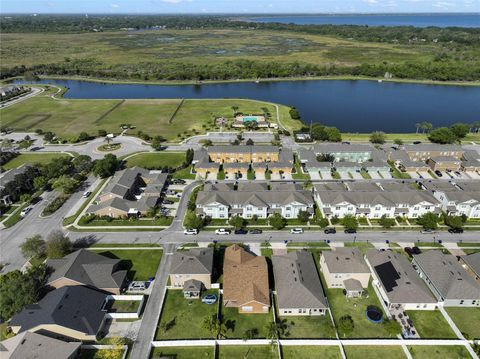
column 467, row 320
column 436, row 351
column 32, row 158
column 315, row 327
column 431, row 324
column 247, row 352
column 237, row 323
column 156, row 160
column 183, row 353
column 311, row 352
column 374, row 352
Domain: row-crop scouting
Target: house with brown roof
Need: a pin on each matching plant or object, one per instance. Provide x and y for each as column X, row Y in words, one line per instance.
column 245, row 281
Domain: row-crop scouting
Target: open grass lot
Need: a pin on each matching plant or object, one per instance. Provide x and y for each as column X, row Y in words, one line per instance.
column 436, row 351
column 374, row 352
column 156, row 160
column 405, row 137
column 467, row 320
column 32, row 158
column 317, row 327
column 356, row 307
column 237, row 323
column 183, row 353
column 247, row 352
column 187, row 316
column 141, row 264
column 431, row 324
column 311, row 352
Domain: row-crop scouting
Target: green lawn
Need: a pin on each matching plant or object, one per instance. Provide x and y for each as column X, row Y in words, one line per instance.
column 431, row 324
column 315, row 327
column 374, row 352
column 183, row 352
column 187, row 316
column 440, row 352
column 355, row 307
column 364, row 247
column 467, row 320
column 156, row 160
column 237, row 323
column 299, row 174
column 161, row 221
column 141, row 264
column 247, row 352
column 124, row 306
column 311, row 352
column 33, row 158
column 184, row 173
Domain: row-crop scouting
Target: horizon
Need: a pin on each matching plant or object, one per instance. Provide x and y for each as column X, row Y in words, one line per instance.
column 245, row 14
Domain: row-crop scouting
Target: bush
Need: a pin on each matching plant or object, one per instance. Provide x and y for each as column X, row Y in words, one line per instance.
column 378, row 137
column 55, row 205
column 58, row 245
column 277, row 221
column 386, row 222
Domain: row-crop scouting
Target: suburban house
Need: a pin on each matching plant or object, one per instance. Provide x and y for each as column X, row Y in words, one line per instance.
column 402, row 160
column 223, row 202
column 243, row 153
column 424, row 151
column 374, row 201
column 471, row 163
column 457, row 198
column 245, row 281
column 87, row 268
column 192, row 271
column 10, row 91
column 205, row 168
column 443, row 163
column 345, row 152
column 75, row 312
column 8, row 177
column 131, row 192
column 448, row 281
column 471, row 263
column 35, row 346
column 397, row 282
column 298, row 286
column 236, row 170
column 345, row 267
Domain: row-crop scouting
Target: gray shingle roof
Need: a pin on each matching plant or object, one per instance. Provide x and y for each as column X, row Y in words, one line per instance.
column 193, row 261
column 77, row 308
column 244, row 197
column 473, row 261
column 297, row 282
column 341, row 147
column 192, row 285
column 377, row 197
column 447, row 275
column 345, row 260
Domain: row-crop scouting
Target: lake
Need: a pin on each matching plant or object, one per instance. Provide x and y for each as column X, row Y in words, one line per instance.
column 417, row 20
column 352, row 106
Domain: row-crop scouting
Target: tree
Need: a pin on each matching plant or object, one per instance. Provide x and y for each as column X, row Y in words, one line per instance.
column 83, row 136
column 454, row 221
column 391, row 326
column 426, row 126
column 294, row 114
column 303, row 216
column 417, row 126
column 66, row 184
column 460, row 129
column 40, row 182
column 33, row 247
column 277, row 221
column 166, row 326
column 249, row 142
column 207, row 143
column 192, row 221
column 214, row 325
column 318, row 133
column 234, row 109
column 157, row 143
column 106, row 167
column 237, row 222
column 102, row 133
column 349, row 222
column 58, row 245
column 48, row 136
column 325, row 157
column 82, row 164
column 272, row 333
column 250, row 334
column 398, row 141
column 333, row 134
column 428, row 221
column 189, row 156
column 386, row 222
column 442, row 135
column 346, row 324
column 378, row 137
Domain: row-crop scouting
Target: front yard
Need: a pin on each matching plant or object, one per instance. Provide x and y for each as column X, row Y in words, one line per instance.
column 374, row 352
column 311, row 352
column 182, row 352
column 431, row 324
column 247, row 352
column 436, row 351
column 467, row 320
column 182, row 318
column 237, row 324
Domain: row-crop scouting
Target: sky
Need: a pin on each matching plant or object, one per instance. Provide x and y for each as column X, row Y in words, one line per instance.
column 237, row 6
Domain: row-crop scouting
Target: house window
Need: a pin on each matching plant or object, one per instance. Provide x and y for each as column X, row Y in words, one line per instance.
column 247, row 309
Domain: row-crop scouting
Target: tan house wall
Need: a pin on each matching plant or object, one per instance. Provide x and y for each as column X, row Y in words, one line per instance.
column 221, row 157
column 63, row 282
column 108, row 196
column 425, row 155
column 335, row 280
column 60, row 331
column 257, row 308
column 112, row 212
column 202, row 173
column 233, row 172
column 286, row 170
column 178, row 280
column 442, row 166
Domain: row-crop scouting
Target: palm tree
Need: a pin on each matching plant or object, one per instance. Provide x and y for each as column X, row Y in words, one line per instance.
column 272, row 334
column 234, row 108
column 417, row 125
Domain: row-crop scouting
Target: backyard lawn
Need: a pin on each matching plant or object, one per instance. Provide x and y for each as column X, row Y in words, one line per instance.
column 141, row 264
column 184, row 173
column 467, row 320
column 237, row 324
column 33, row 158
column 247, row 352
column 431, row 324
column 184, row 316
column 156, row 160
column 311, row 352
column 123, row 306
column 309, row 327
column 374, row 352
column 183, row 352
column 436, row 351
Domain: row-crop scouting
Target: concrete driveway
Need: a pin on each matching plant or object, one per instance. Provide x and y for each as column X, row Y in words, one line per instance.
column 344, row 175
column 356, row 175
column 315, row 176
column 413, row 174
column 386, row 174
column 425, row 174
column 326, row 175
column 374, row 175
column 260, row 175
column 473, row 175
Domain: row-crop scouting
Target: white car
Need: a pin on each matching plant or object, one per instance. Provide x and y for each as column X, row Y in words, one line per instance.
column 222, row 231
column 296, row 231
column 86, row 194
column 137, row 287
column 192, row 232
column 25, row 211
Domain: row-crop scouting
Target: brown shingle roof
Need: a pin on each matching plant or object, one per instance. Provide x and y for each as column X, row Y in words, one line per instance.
column 245, row 277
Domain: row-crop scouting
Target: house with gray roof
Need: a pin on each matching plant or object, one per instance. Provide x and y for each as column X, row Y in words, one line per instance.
column 8, row 177
column 345, row 267
column 28, row 345
column 298, row 287
column 343, row 152
column 471, row 263
column 87, row 268
column 397, row 281
column 72, row 312
column 192, row 270
column 448, row 281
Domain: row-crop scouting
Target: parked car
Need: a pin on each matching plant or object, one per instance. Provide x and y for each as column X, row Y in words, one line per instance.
column 427, row 231
column 417, row 142
column 191, row 232
column 416, row 250
column 167, row 201
column 86, row 194
column 458, row 174
column 25, row 211
column 241, row 231
column 255, row 231
column 350, row 231
column 455, row 230
column 438, row 173
column 409, row 251
column 222, row 231
column 136, row 287
column 296, row 231
column 329, row 231
column 178, row 181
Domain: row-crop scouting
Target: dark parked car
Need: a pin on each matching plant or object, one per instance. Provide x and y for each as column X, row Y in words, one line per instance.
column 409, row 251
column 256, row 231
column 178, row 181
column 438, row 173
column 417, row 142
column 455, row 230
column 330, row 231
column 351, row 231
column 416, row 250
column 241, row 231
